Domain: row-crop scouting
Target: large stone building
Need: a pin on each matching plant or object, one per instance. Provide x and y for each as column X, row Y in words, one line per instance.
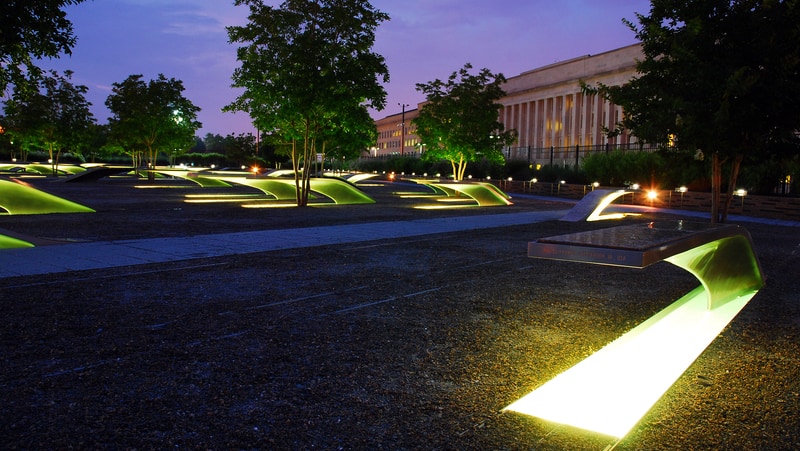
column 396, row 135
column 547, row 109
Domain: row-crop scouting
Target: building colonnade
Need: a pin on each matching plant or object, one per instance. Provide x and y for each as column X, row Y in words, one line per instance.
column 547, row 108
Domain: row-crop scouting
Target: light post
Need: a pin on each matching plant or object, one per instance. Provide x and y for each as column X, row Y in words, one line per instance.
column 403, row 128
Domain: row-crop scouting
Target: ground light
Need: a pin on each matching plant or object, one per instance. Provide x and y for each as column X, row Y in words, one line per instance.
column 612, row 389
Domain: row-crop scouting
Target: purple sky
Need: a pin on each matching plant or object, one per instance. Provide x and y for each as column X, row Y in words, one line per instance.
column 423, row 41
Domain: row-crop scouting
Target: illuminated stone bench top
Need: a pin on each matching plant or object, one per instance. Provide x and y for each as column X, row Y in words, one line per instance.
column 637, row 245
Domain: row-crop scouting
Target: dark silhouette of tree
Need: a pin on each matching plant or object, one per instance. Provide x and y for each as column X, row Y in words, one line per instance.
column 721, row 79
column 32, row 30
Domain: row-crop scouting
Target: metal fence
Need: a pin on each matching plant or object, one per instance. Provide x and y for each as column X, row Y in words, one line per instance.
column 562, row 156
column 572, row 155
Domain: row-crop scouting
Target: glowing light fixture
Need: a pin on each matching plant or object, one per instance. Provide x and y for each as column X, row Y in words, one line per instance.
column 598, row 215
column 612, row 389
column 445, row 207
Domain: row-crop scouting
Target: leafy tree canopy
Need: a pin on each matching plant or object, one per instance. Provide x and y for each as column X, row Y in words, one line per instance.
column 721, row 77
column 32, row 30
column 151, row 117
column 55, row 117
column 308, row 71
column 460, row 122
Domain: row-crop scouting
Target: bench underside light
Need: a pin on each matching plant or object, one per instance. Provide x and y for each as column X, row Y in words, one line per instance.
column 611, row 390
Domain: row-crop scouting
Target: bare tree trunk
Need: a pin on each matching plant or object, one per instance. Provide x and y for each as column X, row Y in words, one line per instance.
column 716, row 181
column 296, row 169
column 734, row 175
column 308, row 161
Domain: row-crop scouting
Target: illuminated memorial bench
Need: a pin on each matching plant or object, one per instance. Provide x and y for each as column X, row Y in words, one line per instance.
column 611, row 390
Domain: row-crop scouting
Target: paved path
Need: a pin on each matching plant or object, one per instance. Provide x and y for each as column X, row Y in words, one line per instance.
column 107, row 254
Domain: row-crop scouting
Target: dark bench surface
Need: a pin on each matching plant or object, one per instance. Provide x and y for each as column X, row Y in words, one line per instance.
column 637, row 245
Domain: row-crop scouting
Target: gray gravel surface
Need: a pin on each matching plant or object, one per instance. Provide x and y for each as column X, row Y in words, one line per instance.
column 413, row 343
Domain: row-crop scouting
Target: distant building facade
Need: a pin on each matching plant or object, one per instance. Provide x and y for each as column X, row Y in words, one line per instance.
column 554, row 120
column 397, row 135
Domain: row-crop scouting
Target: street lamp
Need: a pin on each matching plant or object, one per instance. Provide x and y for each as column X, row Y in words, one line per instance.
column 403, row 127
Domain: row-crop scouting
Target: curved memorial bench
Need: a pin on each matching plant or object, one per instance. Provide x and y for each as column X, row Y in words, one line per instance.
column 720, row 256
column 484, row 194
column 19, row 199
column 612, row 389
column 592, row 206
column 96, row 173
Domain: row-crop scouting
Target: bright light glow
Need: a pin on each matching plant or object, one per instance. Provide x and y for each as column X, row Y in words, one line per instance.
column 222, row 196
column 598, row 215
column 220, row 200
column 455, row 199
column 271, row 205
column 683, row 189
column 417, row 195
column 741, row 192
column 652, row 195
column 159, row 186
column 445, row 207
column 7, row 242
column 635, row 186
column 612, row 389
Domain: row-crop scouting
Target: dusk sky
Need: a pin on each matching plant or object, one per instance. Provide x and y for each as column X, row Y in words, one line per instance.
column 423, row 41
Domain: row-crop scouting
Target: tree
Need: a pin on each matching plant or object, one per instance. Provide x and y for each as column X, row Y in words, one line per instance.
column 460, row 123
column 151, row 118
column 306, row 69
column 56, row 117
column 721, row 78
column 32, row 30
column 352, row 134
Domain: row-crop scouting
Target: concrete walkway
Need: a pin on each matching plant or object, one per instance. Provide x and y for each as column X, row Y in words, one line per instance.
column 108, row 254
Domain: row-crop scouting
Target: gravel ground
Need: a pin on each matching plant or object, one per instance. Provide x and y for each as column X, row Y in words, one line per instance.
column 413, row 343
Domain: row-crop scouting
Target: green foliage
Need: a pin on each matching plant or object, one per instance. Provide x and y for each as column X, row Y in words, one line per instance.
column 309, row 75
column 557, row 173
column 31, row 30
column 460, row 121
column 204, row 159
column 55, row 117
column 620, row 168
column 150, row 118
column 774, row 176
